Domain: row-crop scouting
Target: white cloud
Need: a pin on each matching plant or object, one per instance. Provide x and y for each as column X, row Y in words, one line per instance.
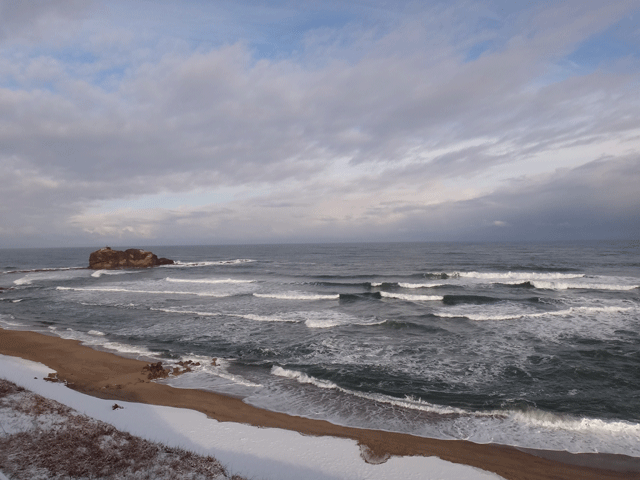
column 368, row 129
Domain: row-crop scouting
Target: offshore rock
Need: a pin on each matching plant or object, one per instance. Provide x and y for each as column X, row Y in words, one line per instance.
column 107, row 259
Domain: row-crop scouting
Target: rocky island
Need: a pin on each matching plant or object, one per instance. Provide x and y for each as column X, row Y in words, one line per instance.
column 108, row 259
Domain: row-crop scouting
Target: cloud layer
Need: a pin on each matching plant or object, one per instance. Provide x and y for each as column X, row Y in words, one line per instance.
column 418, row 123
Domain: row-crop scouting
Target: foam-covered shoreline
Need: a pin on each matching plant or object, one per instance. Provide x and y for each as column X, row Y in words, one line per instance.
column 108, row 376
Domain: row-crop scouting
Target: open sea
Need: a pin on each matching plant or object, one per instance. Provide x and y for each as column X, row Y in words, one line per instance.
column 532, row 345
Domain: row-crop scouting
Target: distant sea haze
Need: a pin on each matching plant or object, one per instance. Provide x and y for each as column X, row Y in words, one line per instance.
column 534, row 345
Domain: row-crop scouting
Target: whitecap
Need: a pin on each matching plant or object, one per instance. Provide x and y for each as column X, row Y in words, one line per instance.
column 420, row 285
column 548, row 420
column 301, row 377
column 297, row 296
column 237, row 261
column 407, row 402
column 580, row 285
column 47, row 275
column 523, row 276
column 207, row 280
column 99, row 273
column 289, row 317
column 328, row 319
column 154, row 292
column 522, row 314
column 411, row 298
column 186, row 312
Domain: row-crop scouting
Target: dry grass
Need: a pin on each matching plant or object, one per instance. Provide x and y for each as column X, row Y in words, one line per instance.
column 43, row 439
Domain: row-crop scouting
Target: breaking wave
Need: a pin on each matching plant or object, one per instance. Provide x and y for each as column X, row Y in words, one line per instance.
column 297, row 296
column 407, row 402
column 518, row 315
column 99, row 273
column 237, row 261
column 580, row 285
column 517, row 275
column 186, row 312
column 420, row 285
column 207, row 280
column 153, row 292
column 412, row 298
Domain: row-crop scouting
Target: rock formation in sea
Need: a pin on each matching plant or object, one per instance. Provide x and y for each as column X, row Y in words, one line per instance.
column 108, row 259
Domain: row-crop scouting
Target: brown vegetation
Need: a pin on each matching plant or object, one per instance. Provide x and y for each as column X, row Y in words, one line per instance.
column 59, row 443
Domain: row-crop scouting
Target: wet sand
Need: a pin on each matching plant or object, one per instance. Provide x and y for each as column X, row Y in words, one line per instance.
column 109, row 376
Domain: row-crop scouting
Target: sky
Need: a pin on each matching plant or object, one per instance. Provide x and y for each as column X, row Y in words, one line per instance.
column 238, row 122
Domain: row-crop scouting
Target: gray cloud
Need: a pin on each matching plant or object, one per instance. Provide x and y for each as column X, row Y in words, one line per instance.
column 594, row 201
column 34, row 21
column 379, row 131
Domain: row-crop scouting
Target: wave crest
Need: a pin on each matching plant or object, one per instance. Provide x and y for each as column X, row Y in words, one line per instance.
column 412, row 298
column 297, row 296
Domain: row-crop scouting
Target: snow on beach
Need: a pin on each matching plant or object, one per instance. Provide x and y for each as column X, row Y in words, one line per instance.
column 260, row 453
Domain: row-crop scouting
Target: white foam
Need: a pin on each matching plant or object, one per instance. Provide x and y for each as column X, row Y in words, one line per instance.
column 407, row 402
column 9, row 321
column 237, row 379
column 297, row 296
column 420, row 285
column 532, row 428
column 412, row 298
column 289, row 317
column 570, row 312
column 195, row 380
column 187, row 312
column 547, row 420
column 154, row 292
column 551, row 280
column 580, row 285
column 523, row 276
column 34, row 270
column 124, row 348
column 98, row 341
column 237, row 261
column 328, row 319
column 51, row 275
column 311, row 319
column 207, row 280
column 480, row 318
column 97, row 333
column 301, row 377
column 376, row 284
column 99, row 273
column 221, row 371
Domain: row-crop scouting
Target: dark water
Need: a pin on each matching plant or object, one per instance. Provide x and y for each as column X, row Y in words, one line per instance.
column 535, row 345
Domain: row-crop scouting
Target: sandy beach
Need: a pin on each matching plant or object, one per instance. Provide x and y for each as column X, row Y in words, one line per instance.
column 108, row 376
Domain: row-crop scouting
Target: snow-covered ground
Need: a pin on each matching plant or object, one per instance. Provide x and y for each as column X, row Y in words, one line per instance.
column 256, row 453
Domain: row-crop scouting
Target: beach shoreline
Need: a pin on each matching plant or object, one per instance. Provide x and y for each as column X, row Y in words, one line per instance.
column 109, row 376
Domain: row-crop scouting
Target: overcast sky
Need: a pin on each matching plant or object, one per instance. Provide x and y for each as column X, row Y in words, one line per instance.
column 204, row 122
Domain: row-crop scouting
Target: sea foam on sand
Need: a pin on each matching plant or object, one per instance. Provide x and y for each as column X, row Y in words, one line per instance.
column 265, row 453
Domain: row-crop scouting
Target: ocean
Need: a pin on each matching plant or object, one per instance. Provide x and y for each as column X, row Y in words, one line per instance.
column 532, row 345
